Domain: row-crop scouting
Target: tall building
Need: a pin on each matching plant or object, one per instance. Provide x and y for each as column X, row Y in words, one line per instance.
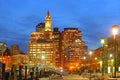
column 53, row 47
column 106, row 55
column 109, row 50
column 14, row 49
column 56, row 40
column 2, row 47
column 72, row 48
column 5, row 56
column 41, row 46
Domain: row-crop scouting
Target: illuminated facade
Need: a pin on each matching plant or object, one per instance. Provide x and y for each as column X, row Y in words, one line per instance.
column 5, row 55
column 72, row 47
column 53, row 47
column 109, row 50
column 12, row 56
column 20, row 59
column 2, row 47
column 41, row 46
column 14, row 49
column 56, row 40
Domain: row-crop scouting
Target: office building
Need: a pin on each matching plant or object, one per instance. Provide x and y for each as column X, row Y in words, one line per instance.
column 72, row 48
column 41, row 48
column 53, row 47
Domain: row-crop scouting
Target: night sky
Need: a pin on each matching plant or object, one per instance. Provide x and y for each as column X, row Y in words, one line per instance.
column 94, row 18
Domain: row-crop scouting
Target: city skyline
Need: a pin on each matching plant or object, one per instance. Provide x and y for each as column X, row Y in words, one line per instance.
column 19, row 18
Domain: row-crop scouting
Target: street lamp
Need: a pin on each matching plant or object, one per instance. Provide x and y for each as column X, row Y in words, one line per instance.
column 111, row 55
column 102, row 40
column 84, row 58
column 111, row 64
column 90, row 53
column 115, row 32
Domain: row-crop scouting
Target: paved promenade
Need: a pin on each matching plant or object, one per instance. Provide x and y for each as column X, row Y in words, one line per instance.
column 67, row 77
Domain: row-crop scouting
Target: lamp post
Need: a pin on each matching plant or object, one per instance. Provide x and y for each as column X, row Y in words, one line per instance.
column 115, row 32
column 90, row 53
column 84, row 58
column 96, row 59
column 102, row 40
column 43, row 65
column 111, row 64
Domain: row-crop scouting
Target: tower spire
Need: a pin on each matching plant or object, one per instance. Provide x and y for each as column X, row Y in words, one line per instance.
column 48, row 22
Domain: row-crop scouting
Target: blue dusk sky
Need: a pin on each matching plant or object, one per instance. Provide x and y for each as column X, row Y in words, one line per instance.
column 94, row 18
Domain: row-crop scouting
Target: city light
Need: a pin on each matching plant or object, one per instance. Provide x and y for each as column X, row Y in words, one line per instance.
column 43, row 57
column 90, row 52
column 102, row 54
column 115, row 32
column 84, row 57
column 102, row 40
column 96, row 58
column 111, row 55
column 37, row 50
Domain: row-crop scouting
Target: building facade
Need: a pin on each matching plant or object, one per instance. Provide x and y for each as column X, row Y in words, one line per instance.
column 106, row 56
column 41, row 48
column 5, row 56
column 2, row 48
column 109, row 51
column 72, row 48
column 53, row 47
column 56, row 40
column 14, row 49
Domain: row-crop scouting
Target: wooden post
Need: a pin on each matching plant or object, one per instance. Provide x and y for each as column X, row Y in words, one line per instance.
column 20, row 72
column 25, row 72
column 3, row 71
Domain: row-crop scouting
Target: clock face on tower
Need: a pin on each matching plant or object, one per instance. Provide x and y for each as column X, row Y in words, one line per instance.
column 48, row 26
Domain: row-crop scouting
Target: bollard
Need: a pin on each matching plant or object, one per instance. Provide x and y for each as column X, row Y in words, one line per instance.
column 3, row 71
column 20, row 72
column 13, row 73
column 40, row 74
column 33, row 69
column 7, row 76
column 32, row 75
column 25, row 72
column 37, row 73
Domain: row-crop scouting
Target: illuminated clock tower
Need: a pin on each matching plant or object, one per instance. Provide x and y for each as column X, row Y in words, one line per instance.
column 41, row 48
column 48, row 27
column 48, row 22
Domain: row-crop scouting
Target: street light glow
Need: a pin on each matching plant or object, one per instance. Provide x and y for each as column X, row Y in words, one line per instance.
column 102, row 40
column 90, row 52
column 84, row 57
column 111, row 55
column 96, row 58
column 43, row 57
column 115, row 30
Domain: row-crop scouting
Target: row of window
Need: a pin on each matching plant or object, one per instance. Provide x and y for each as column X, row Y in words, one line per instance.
column 38, row 45
column 36, row 52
